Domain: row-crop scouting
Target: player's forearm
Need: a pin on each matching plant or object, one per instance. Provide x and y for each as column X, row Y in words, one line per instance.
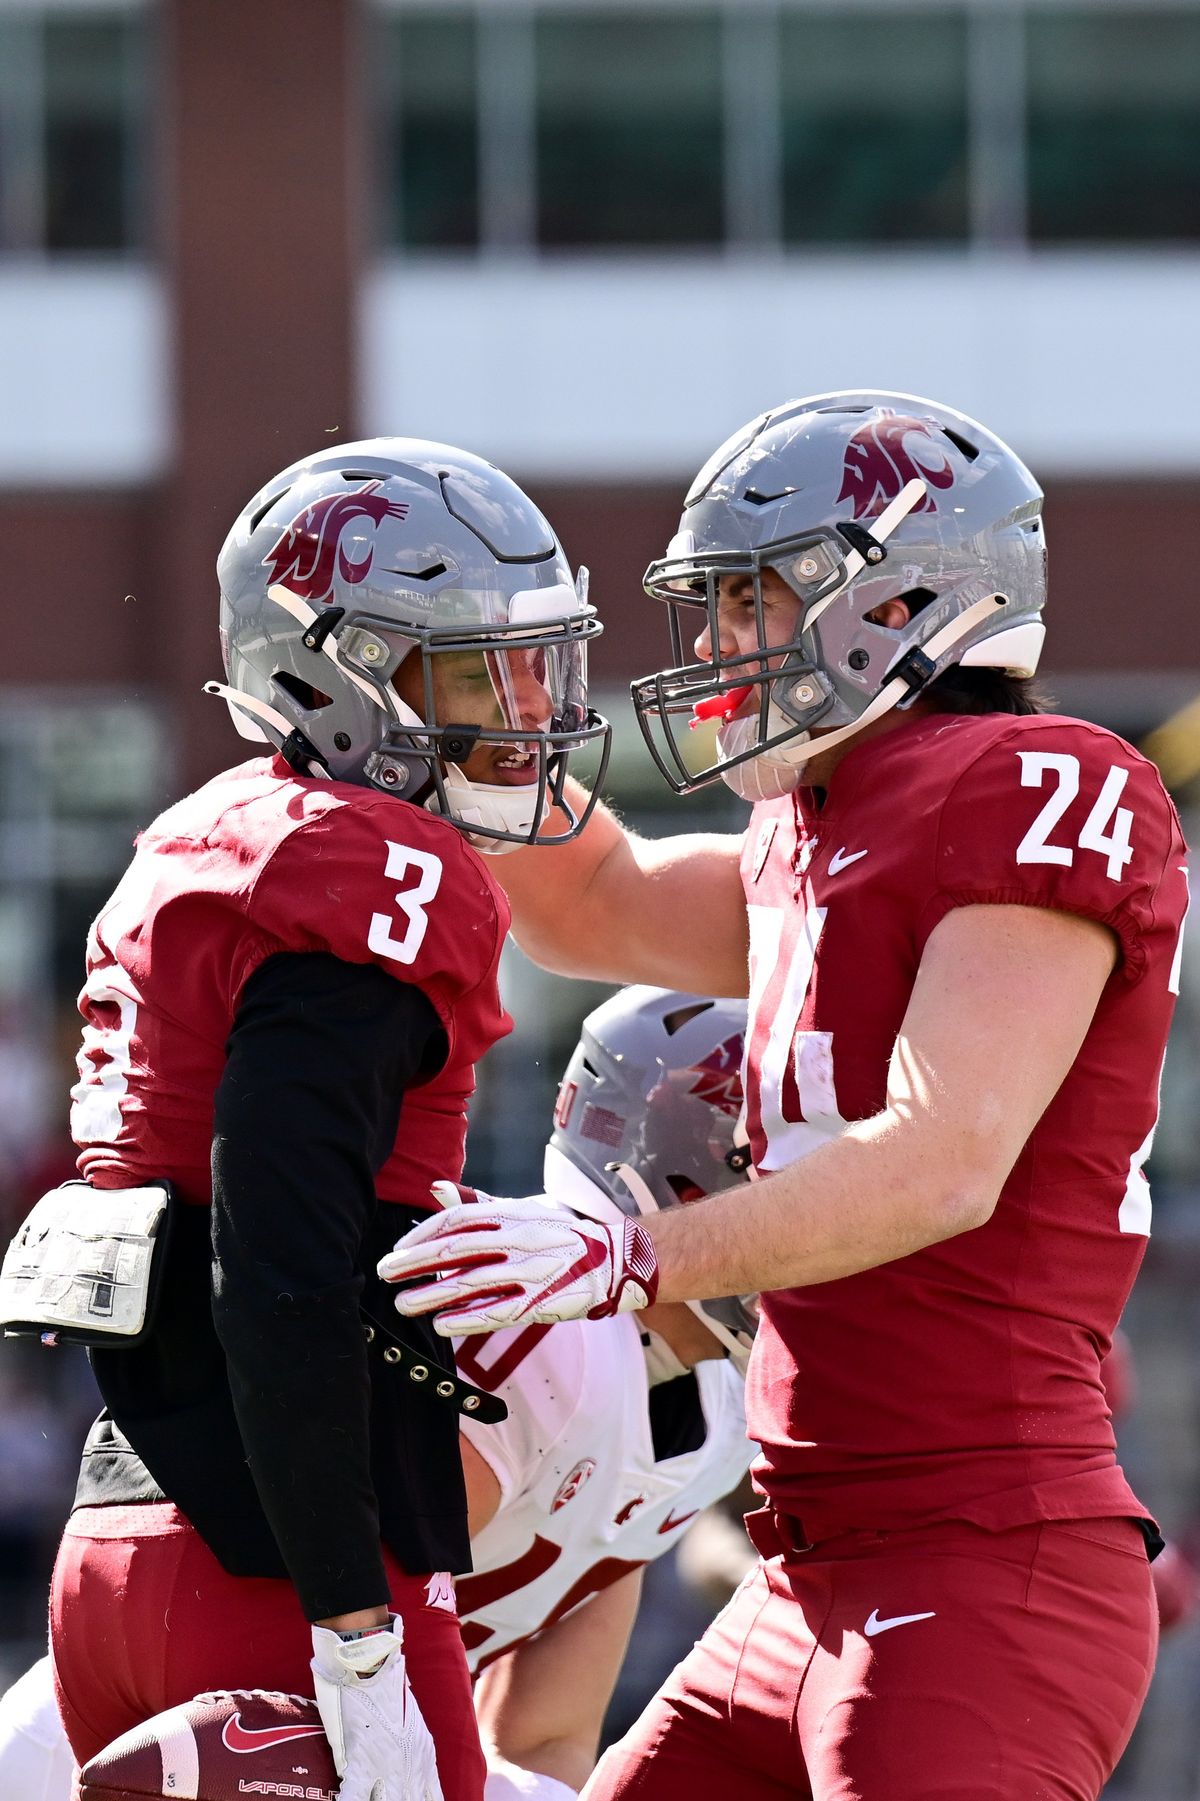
column 616, row 907
column 564, row 1760
column 542, row 1706
column 996, row 1018
column 296, row 1380
column 531, row 1728
column 879, row 1192
column 293, row 1193
column 549, row 889
column 510, row 1782
column 364, row 1619
column 298, row 1377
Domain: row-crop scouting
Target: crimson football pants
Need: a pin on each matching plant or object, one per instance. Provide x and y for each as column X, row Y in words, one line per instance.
column 941, row 1664
column 142, row 1616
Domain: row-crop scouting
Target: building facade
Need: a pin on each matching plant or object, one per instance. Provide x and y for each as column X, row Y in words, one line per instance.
column 587, row 238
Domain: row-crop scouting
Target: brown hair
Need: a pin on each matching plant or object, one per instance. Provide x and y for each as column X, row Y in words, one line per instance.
column 959, row 690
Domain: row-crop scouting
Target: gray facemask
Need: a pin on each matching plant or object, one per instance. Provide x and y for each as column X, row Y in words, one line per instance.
column 399, row 614
column 850, row 501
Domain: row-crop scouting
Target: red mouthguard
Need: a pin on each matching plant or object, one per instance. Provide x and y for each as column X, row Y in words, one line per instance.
column 717, row 706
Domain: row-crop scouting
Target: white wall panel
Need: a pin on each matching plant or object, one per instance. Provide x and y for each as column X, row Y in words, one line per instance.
column 607, row 367
column 83, row 373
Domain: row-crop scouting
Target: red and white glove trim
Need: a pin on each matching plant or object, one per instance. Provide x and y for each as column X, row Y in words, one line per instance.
column 485, row 1263
column 638, row 1274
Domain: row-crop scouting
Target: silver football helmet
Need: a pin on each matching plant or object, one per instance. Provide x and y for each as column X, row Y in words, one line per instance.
column 649, row 1110
column 398, row 614
column 853, row 499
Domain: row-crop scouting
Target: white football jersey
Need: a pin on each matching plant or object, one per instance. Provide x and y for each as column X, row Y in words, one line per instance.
column 35, row 1758
column 582, row 1499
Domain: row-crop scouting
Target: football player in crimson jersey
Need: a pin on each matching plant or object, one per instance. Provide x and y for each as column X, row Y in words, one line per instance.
column 610, row 1447
column 285, row 1000
column 958, row 920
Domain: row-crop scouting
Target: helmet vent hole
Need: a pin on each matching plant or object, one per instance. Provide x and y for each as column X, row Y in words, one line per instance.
column 917, row 599
column 594, row 1073
column 762, row 500
column 420, row 575
column 674, row 1022
column 361, row 475
column 303, row 693
column 969, row 450
column 684, row 1189
column 266, row 506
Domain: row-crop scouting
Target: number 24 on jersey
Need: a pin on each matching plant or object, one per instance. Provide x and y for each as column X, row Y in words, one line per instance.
column 1105, row 830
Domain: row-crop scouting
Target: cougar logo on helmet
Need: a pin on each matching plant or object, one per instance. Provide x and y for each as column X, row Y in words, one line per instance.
column 882, row 457
column 719, row 1077
column 303, row 559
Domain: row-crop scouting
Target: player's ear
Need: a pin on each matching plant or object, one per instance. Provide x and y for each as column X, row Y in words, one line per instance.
column 892, row 613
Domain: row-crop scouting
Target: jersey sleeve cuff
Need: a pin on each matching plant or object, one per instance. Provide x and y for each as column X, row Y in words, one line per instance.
column 1118, row 920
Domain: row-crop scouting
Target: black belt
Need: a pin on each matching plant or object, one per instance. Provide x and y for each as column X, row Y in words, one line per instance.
column 433, row 1378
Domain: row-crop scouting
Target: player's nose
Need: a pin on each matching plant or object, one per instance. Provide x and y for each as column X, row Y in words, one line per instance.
column 725, row 639
column 535, row 707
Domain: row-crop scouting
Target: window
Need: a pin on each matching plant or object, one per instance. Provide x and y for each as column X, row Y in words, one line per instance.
column 72, row 108
column 1114, row 125
column 629, row 128
column 874, row 127
column 431, row 129
column 80, row 773
column 518, row 125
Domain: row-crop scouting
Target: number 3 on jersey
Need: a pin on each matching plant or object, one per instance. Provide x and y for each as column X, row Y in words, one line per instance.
column 1106, row 828
column 410, row 902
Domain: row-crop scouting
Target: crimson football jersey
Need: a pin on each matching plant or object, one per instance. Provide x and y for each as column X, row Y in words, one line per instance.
column 255, row 863
column 962, row 1381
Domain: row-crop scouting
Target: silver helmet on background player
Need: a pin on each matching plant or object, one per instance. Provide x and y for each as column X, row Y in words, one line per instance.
column 649, row 1111
column 353, row 562
column 853, row 499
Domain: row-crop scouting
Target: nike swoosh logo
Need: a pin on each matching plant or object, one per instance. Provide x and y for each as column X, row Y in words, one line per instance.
column 670, row 1523
column 236, row 1737
column 875, row 1625
column 840, row 860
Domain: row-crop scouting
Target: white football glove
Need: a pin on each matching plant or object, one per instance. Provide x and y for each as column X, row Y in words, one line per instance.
column 382, row 1748
column 516, row 1263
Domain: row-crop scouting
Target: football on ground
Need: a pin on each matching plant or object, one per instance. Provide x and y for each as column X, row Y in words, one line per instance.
column 219, row 1747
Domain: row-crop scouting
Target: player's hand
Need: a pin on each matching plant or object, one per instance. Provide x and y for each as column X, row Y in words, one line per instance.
column 485, row 1263
column 382, row 1748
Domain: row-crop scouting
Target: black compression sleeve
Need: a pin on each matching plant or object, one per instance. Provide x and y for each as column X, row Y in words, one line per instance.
column 307, row 1111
